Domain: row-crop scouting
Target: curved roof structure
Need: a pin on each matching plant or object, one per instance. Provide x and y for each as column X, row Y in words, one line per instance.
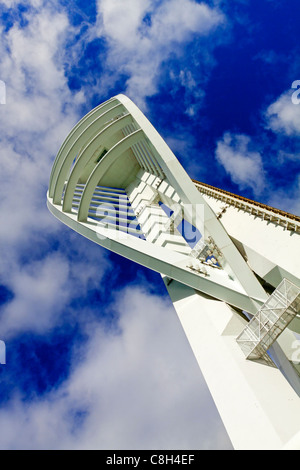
column 112, row 155
column 116, row 181
column 234, row 262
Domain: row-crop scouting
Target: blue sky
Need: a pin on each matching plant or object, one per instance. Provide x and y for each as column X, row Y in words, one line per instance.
column 96, row 357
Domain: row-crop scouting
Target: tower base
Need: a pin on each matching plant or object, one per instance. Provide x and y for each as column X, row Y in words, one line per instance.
column 259, row 408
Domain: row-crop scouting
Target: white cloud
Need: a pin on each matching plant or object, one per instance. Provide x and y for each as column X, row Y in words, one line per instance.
column 41, row 291
column 121, row 20
column 244, row 166
column 32, row 67
column 283, row 118
column 39, row 112
column 176, row 21
column 237, row 154
column 137, row 387
column 138, row 49
column 283, row 115
column 9, row 3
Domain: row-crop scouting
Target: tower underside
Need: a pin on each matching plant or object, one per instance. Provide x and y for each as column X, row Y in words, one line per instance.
column 231, row 265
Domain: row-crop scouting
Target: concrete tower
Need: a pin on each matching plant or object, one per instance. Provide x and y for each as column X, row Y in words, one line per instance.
column 231, row 265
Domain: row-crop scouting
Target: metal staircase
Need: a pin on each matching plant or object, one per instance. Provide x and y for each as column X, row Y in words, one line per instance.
column 272, row 318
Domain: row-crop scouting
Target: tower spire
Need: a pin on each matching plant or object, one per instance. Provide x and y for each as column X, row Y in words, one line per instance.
column 117, row 182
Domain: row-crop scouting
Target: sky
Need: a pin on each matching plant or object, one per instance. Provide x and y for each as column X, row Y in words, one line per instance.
column 95, row 355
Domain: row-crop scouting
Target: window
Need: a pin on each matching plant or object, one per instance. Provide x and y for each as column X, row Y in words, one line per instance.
column 104, row 152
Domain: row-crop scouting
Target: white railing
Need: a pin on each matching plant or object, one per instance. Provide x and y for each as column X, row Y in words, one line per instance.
column 272, row 318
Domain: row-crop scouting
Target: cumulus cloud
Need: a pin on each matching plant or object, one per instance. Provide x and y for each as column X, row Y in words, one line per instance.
column 244, row 165
column 284, row 116
column 40, row 108
column 40, row 294
column 136, row 386
column 39, row 112
column 142, row 35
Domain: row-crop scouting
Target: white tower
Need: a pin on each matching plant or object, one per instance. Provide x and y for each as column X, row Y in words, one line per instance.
column 231, row 265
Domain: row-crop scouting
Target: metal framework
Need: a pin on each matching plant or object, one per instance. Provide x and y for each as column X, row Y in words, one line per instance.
column 270, row 321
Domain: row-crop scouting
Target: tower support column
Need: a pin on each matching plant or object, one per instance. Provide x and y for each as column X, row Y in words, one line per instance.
column 258, row 407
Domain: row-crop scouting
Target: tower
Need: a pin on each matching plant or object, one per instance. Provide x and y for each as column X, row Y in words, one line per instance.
column 231, row 265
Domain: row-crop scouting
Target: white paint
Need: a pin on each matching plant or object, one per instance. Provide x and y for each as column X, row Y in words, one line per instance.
column 259, row 407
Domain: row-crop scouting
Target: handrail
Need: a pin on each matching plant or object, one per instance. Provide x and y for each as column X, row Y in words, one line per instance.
column 249, row 201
